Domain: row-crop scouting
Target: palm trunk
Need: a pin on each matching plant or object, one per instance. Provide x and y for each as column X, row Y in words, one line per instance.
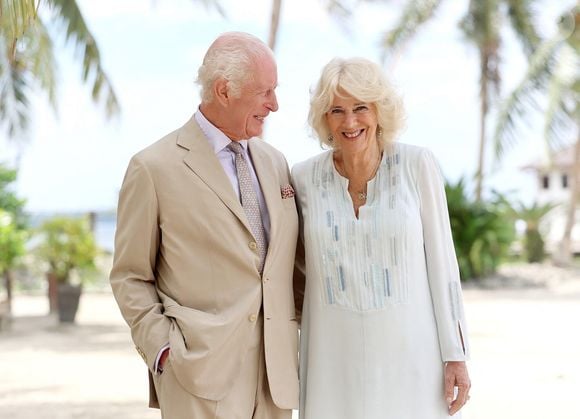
column 275, row 23
column 565, row 250
column 483, row 108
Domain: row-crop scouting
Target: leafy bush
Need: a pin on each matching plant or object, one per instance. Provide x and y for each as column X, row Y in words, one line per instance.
column 9, row 202
column 13, row 228
column 482, row 232
column 67, row 245
column 12, row 240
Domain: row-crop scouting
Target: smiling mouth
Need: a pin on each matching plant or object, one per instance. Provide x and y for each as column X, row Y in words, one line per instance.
column 260, row 118
column 354, row 134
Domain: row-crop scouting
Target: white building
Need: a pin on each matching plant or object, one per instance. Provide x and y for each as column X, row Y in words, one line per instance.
column 553, row 186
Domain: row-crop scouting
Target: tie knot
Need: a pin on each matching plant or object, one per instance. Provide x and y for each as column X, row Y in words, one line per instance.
column 236, row 147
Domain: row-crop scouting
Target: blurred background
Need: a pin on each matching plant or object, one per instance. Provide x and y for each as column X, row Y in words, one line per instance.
column 490, row 86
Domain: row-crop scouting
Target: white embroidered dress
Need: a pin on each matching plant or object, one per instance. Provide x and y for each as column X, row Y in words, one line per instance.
column 383, row 307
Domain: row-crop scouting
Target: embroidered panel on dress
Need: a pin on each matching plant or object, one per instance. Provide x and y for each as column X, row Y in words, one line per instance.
column 361, row 261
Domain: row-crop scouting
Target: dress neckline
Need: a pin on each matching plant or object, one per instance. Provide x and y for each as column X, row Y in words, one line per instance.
column 371, row 185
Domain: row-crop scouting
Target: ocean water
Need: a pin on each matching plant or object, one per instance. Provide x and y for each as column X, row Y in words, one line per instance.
column 105, row 232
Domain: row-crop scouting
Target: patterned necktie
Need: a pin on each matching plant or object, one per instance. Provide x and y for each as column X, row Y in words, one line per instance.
column 250, row 201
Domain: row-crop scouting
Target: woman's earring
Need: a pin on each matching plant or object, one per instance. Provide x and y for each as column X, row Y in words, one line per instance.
column 330, row 138
column 379, row 132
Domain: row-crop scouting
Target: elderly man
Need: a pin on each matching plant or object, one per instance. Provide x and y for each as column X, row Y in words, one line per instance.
column 205, row 247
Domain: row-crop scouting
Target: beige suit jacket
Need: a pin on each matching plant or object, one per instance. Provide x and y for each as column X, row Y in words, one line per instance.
column 184, row 269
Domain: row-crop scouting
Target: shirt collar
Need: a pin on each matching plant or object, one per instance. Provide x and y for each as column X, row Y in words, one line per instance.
column 216, row 138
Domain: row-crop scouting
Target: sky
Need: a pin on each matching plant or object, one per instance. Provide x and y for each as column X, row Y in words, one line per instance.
column 75, row 159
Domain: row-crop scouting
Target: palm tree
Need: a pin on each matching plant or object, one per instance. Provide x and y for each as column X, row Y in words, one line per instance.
column 532, row 215
column 27, row 58
column 336, row 8
column 274, row 23
column 482, row 27
column 553, row 72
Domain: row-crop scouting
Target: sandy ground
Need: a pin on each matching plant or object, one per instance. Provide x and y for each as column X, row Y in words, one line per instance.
column 524, row 337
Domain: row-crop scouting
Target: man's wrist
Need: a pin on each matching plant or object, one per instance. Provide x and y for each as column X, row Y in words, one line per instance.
column 162, row 359
column 163, row 352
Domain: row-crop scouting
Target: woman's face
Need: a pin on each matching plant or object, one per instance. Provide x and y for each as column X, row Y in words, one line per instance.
column 352, row 123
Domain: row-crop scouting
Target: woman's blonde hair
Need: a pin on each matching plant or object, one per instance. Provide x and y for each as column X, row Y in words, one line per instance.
column 363, row 80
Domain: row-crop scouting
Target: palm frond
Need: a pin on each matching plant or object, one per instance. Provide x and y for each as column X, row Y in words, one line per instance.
column 521, row 101
column 531, row 214
column 561, row 98
column 15, row 17
column 209, row 4
column 521, row 14
column 415, row 14
column 67, row 13
column 13, row 93
column 340, row 11
column 337, row 8
column 37, row 53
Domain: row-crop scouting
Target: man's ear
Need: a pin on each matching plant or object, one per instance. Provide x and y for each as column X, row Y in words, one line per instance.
column 220, row 91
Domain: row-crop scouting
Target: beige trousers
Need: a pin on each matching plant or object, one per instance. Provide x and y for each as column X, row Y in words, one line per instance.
column 249, row 397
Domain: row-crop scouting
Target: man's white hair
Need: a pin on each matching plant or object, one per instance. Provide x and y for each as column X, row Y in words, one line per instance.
column 231, row 57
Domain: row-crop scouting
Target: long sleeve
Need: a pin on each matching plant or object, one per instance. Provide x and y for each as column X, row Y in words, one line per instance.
column 442, row 268
column 133, row 274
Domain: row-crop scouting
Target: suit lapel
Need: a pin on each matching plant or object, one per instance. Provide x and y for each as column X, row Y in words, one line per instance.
column 202, row 161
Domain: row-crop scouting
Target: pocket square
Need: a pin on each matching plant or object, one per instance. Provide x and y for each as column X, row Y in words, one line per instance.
column 287, row 191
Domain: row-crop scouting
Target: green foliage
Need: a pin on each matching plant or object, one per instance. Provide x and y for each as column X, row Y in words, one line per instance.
column 12, row 240
column 12, row 221
column 67, row 245
column 552, row 73
column 9, row 202
column 482, row 233
column 17, row 15
column 534, row 246
column 532, row 215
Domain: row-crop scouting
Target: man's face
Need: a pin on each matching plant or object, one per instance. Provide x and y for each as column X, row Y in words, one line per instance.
column 258, row 98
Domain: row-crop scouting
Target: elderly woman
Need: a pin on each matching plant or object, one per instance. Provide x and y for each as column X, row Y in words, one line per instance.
column 383, row 331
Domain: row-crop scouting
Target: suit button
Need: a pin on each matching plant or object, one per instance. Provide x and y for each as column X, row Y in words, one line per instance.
column 252, row 317
column 252, row 245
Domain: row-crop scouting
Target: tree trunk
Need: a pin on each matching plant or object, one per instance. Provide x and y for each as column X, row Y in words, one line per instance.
column 483, row 108
column 52, row 292
column 565, row 249
column 274, row 23
column 8, row 285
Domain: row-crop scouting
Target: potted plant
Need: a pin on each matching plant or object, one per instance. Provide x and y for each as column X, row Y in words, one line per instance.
column 68, row 247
